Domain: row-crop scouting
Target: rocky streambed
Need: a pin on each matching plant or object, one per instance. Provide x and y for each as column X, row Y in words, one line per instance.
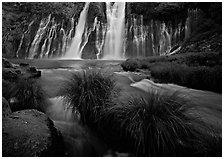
column 58, row 131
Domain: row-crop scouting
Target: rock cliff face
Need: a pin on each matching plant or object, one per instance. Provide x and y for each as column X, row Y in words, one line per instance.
column 46, row 30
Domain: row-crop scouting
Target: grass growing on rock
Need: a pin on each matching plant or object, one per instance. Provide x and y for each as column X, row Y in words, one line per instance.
column 195, row 70
column 200, row 77
column 156, row 125
column 160, row 126
column 88, row 92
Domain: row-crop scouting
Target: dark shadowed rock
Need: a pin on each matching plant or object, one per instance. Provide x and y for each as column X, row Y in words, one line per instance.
column 23, row 64
column 9, row 74
column 32, row 72
column 37, row 74
column 6, row 110
column 6, row 63
column 32, row 69
column 6, row 86
column 18, row 71
column 30, row 133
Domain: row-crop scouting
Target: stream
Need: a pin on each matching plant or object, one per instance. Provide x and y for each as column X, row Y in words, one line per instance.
column 79, row 141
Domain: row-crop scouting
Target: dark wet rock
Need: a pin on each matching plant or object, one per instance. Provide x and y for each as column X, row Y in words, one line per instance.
column 130, row 65
column 32, row 72
column 23, row 64
column 6, row 86
column 32, row 69
column 12, row 74
column 30, row 133
column 6, row 63
column 9, row 74
column 37, row 74
column 18, row 71
column 14, row 102
column 6, row 110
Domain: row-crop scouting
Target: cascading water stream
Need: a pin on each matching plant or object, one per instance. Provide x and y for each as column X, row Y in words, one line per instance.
column 74, row 50
column 113, row 46
column 45, row 49
column 87, row 34
column 100, row 37
column 40, row 33
column 22, row 39
column 113, row 39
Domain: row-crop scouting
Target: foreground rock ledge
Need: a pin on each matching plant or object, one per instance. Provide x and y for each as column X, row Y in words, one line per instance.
column 30, row 133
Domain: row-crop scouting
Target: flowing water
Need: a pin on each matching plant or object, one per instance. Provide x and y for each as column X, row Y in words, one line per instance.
column 80, row 141
column 115, row 38
column 115, row 30
column 74, row 50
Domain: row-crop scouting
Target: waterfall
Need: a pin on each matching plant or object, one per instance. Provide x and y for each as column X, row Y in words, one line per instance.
column 136, row 39
column 191, row 22
column 39, row 35
column 113, row 46
column 87, row 34
column 20, row 44
column 113, row 39
column 100, row 37
column 45, row 49
column 74, row 50
column 139, row 38
column 165, row 40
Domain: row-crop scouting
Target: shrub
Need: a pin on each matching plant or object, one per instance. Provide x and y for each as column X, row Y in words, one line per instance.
column 26, row 94
column 130, row 65
column 159, row 125
column 203, row 59
column 210, row 59
column 89, row 92
column 201, row 77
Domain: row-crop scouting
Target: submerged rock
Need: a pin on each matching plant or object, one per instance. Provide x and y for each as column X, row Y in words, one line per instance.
column 30, row 133
column 6, row 110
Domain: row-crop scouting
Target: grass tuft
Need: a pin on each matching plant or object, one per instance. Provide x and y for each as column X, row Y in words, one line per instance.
column 88, row 92
column 200, row 77
column 159, row 126
column 195, row 70
column 156, row 125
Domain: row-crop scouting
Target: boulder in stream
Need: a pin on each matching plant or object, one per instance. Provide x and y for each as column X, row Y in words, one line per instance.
column 30, row 133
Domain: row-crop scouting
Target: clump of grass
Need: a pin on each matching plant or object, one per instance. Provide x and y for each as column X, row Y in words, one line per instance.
column 26, row 94
column 159, row 126
column 200, row 77
column 210, row 59
column 130, row 65
column 156, row 125
column 88, row 92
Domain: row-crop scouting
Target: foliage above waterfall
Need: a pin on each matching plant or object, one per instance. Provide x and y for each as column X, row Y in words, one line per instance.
column 169, row 10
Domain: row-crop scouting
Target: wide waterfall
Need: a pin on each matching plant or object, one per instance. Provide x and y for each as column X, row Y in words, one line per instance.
column 117, row 36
